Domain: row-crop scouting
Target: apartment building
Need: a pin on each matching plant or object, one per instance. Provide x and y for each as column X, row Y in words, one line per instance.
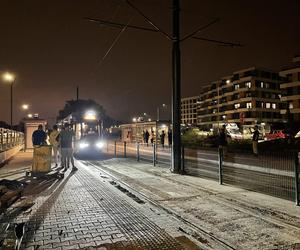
column 189, row 110
column 247, row 97
column 291, row 91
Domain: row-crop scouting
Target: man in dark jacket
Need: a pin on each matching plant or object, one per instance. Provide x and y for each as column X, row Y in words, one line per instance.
column 39, row 136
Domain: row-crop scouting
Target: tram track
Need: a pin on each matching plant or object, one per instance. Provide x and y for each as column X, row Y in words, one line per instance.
column 200, row 233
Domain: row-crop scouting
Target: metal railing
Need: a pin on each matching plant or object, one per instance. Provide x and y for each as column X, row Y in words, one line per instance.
column 10, row 138
column 272, row 173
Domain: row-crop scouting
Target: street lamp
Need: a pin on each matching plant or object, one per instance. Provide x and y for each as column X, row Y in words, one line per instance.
column 158, row 110
column 25, row 106
column 10, row 78
column 29, row 115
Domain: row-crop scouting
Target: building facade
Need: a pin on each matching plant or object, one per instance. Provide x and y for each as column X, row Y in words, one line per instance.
column 291, row 91
column 247, row 97
column 189, row 110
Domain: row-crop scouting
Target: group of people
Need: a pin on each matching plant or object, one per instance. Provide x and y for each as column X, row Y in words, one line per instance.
column 223, row 140
column 146, row 136
column 61, row 142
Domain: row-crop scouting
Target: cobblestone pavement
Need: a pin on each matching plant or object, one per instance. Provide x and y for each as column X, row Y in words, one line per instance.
column 87, row 211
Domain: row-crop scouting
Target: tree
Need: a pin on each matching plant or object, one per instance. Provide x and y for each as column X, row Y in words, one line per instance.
column 78, row 107
column 4, row 124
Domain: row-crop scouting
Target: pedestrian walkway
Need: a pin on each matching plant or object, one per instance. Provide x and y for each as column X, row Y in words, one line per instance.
column 17, row 166
column 85, row 210
column 124, row 204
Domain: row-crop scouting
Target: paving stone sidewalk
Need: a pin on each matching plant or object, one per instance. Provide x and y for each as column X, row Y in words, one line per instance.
column 85, row 212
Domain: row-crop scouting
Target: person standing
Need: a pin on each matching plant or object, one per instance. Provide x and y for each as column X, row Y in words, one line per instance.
column 144, row 136
column 147, row 137
column 162, row 138
column 54, row 142
column 255, row 140
column 152, row 137
column 223, row 141
column 39, row 136
column 66, row 144
column 170, row 137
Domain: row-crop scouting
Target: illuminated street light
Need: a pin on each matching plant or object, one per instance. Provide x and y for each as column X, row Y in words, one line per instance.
column 228, row 81
column 25, row 106
column 29, row 115
column 134, row 119
column 10, row 78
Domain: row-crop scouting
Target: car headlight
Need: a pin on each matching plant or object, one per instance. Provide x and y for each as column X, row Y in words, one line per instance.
column 83, row 145
column 100, row 144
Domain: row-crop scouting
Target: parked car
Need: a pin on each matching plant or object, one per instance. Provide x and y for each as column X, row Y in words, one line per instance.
column 276, row 134
column 234, row 134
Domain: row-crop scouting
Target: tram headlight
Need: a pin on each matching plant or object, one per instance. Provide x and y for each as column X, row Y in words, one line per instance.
column 100, row 144
column 83, row 145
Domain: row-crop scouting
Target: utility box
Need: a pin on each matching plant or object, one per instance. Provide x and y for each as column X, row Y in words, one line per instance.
column 30, row 125
column 41, row 159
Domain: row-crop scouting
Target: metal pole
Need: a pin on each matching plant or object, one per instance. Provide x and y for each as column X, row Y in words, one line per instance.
column 124, row 149
column 296, row 168
column 220, row 166
column 154, row 154
column 138, row 151
column 176, row 97
column 182, row 160
column 157, row 112
column 115, row 149
column 11, row 105
column 77, row 93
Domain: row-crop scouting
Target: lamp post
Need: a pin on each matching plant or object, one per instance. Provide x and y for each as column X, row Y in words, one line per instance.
column 10, row 78
column 158, row 111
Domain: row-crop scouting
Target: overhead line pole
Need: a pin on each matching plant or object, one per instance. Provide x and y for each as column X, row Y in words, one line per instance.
column 176, row 68
column 176, row 90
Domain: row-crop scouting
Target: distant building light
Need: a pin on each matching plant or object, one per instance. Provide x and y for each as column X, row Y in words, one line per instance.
column 149, row 120
column 36, row 115
column 134, row 119
column 29, row 115
column 228, row 81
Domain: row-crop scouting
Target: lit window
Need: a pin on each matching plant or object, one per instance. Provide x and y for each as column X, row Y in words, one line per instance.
column 248, row 105
column 261, row 84
column 262, row 105
column 237, row 105
column 291, row 106
column 248, row 84
column 273, row 105
column 236, row 86
column 267, row 85
column 268, row 105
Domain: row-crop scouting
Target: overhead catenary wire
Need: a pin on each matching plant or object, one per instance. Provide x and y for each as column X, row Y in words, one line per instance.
column 148, row 20
column 115, row 41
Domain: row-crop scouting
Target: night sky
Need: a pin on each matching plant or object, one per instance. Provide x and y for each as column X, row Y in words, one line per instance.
column 52, row 49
